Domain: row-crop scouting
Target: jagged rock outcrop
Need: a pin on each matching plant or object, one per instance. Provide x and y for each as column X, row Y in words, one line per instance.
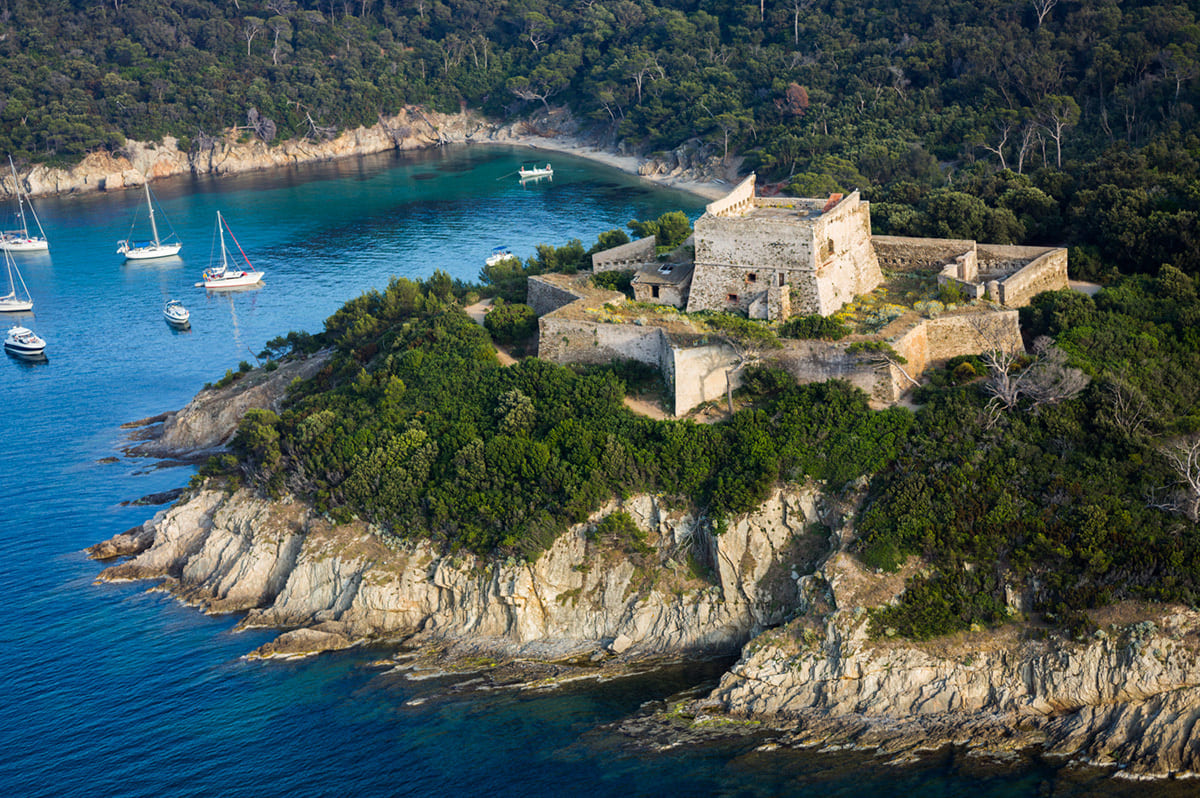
column 287, row 566
column 1129, row 696
column 210, row 419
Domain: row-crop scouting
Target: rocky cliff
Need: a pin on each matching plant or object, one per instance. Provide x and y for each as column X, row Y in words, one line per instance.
column 208, row 422
column 331, row 585
column 1128, row 697
column 411, row 129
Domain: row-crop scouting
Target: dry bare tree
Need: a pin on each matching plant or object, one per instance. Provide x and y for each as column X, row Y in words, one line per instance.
column 1183, row 456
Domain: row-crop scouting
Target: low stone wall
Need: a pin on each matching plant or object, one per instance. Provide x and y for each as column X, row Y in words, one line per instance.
column 904, row 254
column 544, row 297
column 1046, row 273
column 998, row 260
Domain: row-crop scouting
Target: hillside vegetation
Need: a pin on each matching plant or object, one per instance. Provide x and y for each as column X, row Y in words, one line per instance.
column 1042, row 121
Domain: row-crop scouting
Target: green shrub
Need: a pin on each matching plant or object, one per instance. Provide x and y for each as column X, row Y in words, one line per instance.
column 814, row 326
column 511, row 322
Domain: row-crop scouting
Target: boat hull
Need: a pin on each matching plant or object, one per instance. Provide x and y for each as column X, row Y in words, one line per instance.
column 239, row 280
column 149, row 253
column 24, row 244
column 25, row 351
column 16, row 305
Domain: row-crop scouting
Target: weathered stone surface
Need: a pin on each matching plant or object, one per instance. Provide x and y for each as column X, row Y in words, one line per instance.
column 288, row 567
column 208, row 422
column 1129, row 696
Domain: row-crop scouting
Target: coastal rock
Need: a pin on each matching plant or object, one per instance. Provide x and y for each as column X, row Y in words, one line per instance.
column 412, row 128
column 1129, row 696
column 287, row 566
column 207, row 423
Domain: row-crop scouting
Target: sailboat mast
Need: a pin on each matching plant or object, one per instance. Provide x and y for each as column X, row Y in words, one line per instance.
column 153, row 226
column 221, row 231
column 20, row 199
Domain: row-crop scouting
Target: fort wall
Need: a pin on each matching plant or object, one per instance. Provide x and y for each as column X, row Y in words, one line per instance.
column 568, row 340
column 544, row 296
column 698, row 374
column 633, row 255
column 905, row 254
column 1046, row 273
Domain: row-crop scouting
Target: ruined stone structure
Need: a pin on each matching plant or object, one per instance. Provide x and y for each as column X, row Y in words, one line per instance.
column 771, row 258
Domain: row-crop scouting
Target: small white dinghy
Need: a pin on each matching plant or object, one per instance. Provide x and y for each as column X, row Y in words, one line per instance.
column 175, row 313
column 526, row 172
column 222, row 275
column 23, row 342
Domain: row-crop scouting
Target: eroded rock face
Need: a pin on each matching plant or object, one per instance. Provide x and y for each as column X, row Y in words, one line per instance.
column 288, row 567
column 207, row 423
column 1129, row 696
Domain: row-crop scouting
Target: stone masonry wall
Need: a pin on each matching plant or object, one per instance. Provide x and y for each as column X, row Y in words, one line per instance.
column 998, row 260
column 544, row 297
column 627, row 256
column 904, row 254
column 697, row 374
column 847, row 265
column 817, row 361
column 564, row 340
column 735, row 202
column 1047, row 273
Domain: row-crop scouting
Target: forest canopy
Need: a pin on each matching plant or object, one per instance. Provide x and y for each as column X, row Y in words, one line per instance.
column 1051, row 122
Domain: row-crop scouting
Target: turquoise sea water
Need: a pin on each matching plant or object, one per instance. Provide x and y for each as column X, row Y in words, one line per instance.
column 115, row 690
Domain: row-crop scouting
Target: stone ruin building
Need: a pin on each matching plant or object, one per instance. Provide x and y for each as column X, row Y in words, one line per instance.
column 774, row 258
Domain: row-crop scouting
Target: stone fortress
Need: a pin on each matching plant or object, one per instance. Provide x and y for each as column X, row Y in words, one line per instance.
column 772, row 258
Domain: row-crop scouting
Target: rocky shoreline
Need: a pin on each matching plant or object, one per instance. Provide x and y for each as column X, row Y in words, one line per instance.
column 687, row 168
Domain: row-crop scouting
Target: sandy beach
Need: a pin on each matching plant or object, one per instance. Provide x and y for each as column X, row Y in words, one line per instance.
column 626, row 163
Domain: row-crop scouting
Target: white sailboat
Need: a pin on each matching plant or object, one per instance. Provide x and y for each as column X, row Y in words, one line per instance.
column 12, row 302
column 21, row 240
column 157, row 248
column 222, row 275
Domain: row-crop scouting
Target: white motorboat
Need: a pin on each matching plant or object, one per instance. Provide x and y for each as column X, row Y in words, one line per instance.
column 21, row 240
column 527, row 172
column 499, row 254
column 222, row 275
column 24, row 342
column 155, row 248
column 13, row 302
column 175, row 313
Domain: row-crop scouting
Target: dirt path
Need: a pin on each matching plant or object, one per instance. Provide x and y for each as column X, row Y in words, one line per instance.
column 644, row 408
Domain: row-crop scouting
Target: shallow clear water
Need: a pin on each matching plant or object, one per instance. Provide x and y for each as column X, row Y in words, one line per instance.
column 117, row 690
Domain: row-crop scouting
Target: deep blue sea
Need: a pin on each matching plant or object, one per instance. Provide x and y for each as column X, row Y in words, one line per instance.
column 116, row 690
